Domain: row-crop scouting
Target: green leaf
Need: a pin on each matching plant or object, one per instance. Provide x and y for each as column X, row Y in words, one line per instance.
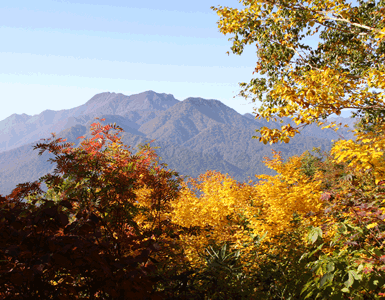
column 354, row 274
column 328, row 277
column 314, row 234
column 378, row 252
column 309, row 295
column 354, row 228
column 306, row 287
column 345, row 290
column 348, row 283
column 314, row 251
column 223, row 252
column 360, row 267
column 330, row 267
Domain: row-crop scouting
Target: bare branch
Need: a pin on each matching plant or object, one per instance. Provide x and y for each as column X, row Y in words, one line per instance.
column 354, row 24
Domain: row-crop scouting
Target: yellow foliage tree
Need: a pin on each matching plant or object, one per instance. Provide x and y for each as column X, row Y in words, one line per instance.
column 230, row 212
column 217, row 211
column 308, row 82
column 289, row 193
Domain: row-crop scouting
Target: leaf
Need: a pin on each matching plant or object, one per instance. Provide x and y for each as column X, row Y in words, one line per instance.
column 345, row 290
column 351, row 274
column 342, row 228
column 378, row 252
column 315, row 250
column 223, row 251
column 372, row 225
column 360, row 268
column 330, row 267
column 326, row 278
column 314, row 234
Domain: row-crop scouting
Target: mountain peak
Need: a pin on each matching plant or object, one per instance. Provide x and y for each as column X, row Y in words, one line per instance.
column 151, row 93
column 17, row 118
column 102, row 97
column 150, row 100
column 199, row 100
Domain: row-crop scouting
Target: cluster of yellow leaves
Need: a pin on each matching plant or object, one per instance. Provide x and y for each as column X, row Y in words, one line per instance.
column 315, row 92
column 365, row 153
column 318, row 93
column 218, row 211
column 234, row 19
column 235, row 213
column 290, row 192
column 151, row 215
column 144, row 202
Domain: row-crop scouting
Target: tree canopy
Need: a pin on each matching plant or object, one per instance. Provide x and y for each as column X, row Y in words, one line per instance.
column 315, row 57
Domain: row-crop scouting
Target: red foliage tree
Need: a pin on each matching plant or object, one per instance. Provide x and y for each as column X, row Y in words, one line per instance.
column 80, row 240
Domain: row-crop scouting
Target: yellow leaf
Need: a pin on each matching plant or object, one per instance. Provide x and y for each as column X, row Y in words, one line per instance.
column 371, row 225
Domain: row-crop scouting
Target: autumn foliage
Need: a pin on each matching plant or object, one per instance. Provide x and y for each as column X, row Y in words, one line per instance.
column 91, row 235
column 113, row 225
column 118, row 225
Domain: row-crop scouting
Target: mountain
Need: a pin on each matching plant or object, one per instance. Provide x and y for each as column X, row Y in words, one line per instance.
column 190, row 117
column 18, row 130
column 194, row 135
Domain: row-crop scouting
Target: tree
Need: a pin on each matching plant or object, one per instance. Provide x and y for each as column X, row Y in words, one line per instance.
column 308, row 83
column 260, row 225
column 101, row 230
column 305, row 82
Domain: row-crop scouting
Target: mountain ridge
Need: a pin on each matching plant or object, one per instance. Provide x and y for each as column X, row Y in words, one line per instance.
column 30, row 128
column 194, row 135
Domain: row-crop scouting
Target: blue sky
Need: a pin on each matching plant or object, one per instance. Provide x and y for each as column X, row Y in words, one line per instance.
column 58, row 54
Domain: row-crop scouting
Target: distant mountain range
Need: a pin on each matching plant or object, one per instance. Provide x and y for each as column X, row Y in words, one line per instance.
column 194, row 135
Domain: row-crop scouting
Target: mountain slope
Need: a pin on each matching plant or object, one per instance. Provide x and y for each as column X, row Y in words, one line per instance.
column 194, row 135
column 18, row 130
column 188, row 118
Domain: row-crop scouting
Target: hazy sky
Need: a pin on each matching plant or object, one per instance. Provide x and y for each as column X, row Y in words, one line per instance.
column 58, row 54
